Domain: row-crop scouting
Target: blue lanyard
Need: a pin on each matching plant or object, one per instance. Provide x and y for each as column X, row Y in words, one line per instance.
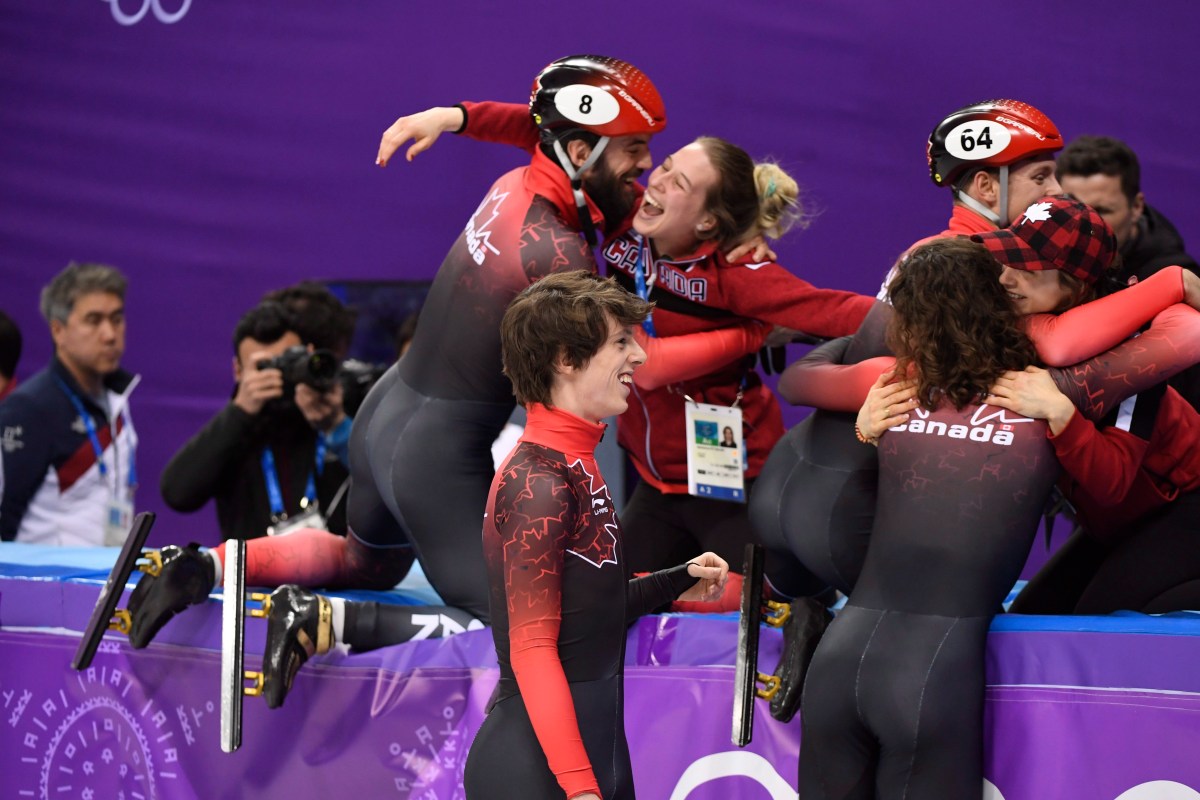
column 94, row 438
column 639, row 279
column 274, row 494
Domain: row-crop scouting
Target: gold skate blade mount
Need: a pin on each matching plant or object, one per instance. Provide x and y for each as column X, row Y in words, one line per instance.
column 776, row 614
column 105, row 615
column 770, row 686
column 258, row 606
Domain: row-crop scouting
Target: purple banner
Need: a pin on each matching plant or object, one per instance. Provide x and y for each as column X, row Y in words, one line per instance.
column 398, row 723
column 1095, row 707
column 146, row 724
column 1092, row 743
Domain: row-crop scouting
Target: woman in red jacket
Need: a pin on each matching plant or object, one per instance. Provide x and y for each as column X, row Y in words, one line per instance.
column 700, row 203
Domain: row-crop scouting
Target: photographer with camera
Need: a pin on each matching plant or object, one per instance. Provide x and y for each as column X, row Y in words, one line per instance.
column 270, row 457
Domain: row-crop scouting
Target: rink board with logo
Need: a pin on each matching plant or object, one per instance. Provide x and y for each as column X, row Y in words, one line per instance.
column 1100, row 708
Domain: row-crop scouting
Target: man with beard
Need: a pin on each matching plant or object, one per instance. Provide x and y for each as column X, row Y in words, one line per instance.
column 421, row 443
column 420, row 447
column 265, row 457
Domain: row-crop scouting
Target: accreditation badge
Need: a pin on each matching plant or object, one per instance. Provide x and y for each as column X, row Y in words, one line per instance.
column 715, row 452
column 118, row 516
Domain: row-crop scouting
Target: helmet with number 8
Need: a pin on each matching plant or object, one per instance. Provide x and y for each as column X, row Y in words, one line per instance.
column 954, row 147
column 601, row 95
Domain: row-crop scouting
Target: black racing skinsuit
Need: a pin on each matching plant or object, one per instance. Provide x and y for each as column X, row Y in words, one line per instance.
column 893, row 701
column 420, row 449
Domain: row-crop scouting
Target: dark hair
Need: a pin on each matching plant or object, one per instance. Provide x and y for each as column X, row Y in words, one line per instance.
column 954, row 322
column 1088, row 155
column 320, row 319
column 1078, row 291
column 267, row 322
column 59, row 296
column 562, row 316
column 10, row 345
column 748, row 198
column 1082, row 292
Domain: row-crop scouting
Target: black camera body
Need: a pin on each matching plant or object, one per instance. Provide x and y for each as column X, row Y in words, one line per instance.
column 318, row 369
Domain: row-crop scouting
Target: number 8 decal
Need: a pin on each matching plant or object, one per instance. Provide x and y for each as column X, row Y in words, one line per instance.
column 586, row 105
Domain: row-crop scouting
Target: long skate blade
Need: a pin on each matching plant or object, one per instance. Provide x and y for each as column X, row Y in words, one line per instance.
column 233, row 619
column 106, row 603
column 746, row 672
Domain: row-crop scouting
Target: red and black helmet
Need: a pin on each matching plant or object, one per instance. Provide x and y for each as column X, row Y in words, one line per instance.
column 994, row 133
column 605, row 96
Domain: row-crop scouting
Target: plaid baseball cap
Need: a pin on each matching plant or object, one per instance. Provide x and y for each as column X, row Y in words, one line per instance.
column 1055, row 233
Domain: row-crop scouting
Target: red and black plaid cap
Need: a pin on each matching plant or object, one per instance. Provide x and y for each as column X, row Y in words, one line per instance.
column 1055, row 233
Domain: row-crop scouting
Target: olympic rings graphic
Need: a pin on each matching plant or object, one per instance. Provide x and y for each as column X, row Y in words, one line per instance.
column 161, row 14
column 729, row 764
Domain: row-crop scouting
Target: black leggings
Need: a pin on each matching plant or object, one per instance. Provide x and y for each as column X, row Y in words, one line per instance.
column 898, row 710
column 506, row 760
column 428, row 463
column 814, row 505
column 1155, row 569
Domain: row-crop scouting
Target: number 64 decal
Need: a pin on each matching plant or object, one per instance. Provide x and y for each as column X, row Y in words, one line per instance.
column 977, row 139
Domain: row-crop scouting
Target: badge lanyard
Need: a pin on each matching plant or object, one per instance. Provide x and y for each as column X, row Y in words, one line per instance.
column 275, row 495
column 643, row 280
column 90, row 425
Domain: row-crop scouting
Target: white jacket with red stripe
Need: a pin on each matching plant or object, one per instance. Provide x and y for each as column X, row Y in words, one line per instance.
column 51, row 487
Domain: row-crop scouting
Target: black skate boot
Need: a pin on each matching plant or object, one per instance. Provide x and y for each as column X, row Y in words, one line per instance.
column 801, row 633
column 299, row 625
column 184, row 579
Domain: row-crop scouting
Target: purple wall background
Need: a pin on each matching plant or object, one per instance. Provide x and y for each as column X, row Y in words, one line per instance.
column 232, row 152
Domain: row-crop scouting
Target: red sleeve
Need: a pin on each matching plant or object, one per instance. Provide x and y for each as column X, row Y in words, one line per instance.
column 502, row 123
column 1093, row 327
column 769, row 292
column 1098, row 385
column 1104, row 463
column 535, row 533
column 818, row 380
column 679, row 358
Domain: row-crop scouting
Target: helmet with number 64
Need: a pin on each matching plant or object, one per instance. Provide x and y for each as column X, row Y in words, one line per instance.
column 994, row 133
